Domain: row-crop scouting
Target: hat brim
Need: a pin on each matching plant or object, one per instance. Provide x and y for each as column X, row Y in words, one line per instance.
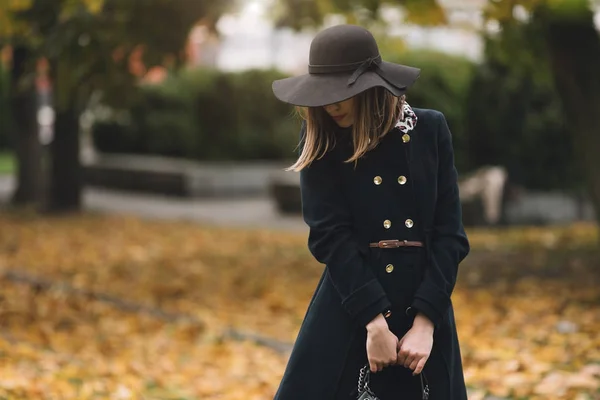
column 315, row 90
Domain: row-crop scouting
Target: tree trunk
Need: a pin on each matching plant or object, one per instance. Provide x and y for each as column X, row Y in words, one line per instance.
column 64, row 193
column 25, row 132
column 65, row 171
column 574, row 47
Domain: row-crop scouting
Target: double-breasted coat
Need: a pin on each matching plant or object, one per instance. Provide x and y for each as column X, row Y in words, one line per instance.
column 406, row 188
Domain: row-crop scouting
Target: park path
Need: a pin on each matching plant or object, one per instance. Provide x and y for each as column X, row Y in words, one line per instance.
column 254, row 212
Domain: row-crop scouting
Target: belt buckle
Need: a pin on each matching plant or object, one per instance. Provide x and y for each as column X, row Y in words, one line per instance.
column 385, row 244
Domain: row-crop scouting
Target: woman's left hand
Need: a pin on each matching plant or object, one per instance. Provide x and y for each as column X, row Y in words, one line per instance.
column 415, row 346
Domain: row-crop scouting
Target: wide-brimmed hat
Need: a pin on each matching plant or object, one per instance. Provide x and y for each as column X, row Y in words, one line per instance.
column 344, row 61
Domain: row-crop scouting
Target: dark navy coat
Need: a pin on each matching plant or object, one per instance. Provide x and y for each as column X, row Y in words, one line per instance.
column 405, row 188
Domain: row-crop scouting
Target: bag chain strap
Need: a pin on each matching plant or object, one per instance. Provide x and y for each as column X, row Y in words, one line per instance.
column 363, row 382
column 363, row 379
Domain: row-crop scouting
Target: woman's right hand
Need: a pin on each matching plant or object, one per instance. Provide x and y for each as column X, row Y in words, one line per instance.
column 381, row 344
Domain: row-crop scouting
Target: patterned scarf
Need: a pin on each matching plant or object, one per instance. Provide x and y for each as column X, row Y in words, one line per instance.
column 408, row 119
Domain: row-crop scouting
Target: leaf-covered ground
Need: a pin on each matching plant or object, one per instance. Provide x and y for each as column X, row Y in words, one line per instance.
column 96, row 307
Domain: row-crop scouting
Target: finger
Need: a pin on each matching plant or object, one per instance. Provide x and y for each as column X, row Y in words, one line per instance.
column 413, row 365
column 399, row 345
column 400, row 359
column 375, row 367
column 409, row 360
column 372, row 366
column 420, row 366
column 404, row 354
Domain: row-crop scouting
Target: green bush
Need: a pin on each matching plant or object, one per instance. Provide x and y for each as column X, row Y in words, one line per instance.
column 206, row 115
column 515, row 116
column 113, row 136
column 164, row 120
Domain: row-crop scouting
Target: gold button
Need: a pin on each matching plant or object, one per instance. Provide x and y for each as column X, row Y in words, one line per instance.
column 387, row 224
column 406, row 138
column 377, row 180
column 402, row 179
column 409, row 223
column 389, row 268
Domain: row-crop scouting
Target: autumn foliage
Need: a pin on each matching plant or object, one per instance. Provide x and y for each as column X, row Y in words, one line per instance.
column 101, row 307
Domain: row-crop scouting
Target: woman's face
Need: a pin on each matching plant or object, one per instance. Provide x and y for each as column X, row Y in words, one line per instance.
column 342, row 112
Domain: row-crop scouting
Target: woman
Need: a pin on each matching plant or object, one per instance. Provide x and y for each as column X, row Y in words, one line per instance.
column 380, row 196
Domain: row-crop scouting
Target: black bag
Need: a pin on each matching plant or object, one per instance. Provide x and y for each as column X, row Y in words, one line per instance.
column 365, row 392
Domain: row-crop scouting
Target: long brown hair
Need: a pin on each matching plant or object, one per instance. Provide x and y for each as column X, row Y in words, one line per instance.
column 376, row 111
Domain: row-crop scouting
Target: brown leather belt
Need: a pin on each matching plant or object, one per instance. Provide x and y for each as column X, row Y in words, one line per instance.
column 393, row 243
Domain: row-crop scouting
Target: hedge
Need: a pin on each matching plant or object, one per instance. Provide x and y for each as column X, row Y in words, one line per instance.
column 515, row 117
column 206, row 115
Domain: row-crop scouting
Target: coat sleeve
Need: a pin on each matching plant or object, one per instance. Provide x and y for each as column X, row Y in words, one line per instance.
column 331, row 242
column 447, row 238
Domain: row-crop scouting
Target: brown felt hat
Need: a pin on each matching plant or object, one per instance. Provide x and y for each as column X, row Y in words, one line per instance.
column 344, row 61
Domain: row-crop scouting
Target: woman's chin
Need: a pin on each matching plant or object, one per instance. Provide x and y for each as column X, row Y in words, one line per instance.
column 343, row 124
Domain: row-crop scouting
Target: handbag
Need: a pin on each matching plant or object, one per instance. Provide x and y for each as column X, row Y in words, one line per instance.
column 365, row 392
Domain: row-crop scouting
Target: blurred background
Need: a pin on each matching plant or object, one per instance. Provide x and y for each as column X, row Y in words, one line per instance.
column 152, row 247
